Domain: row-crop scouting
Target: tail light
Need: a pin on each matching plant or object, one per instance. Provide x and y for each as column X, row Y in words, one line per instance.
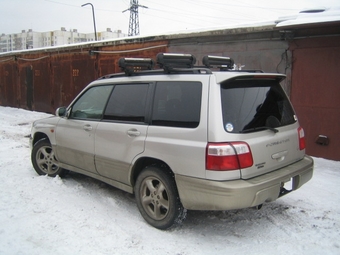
column 302, row 140
column 228, row 156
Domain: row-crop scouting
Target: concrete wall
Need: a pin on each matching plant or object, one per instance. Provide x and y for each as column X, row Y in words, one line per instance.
column 260, row 54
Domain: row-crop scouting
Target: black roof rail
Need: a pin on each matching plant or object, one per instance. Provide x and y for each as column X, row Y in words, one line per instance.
column 194, row 70
column 132, row 73
column 248, row 71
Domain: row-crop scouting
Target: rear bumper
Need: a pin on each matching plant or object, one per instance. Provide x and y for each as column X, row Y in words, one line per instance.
column 200, row 194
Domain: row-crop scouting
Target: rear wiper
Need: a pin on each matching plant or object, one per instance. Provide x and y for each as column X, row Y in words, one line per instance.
column 258, row 129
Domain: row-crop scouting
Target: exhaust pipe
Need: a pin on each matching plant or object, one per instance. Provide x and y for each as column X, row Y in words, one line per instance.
column 258, row 207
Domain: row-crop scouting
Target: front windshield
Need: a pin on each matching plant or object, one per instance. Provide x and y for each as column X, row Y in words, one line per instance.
column 254, row 104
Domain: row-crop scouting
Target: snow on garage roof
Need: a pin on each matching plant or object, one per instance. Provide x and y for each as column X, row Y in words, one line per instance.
column 311, row 16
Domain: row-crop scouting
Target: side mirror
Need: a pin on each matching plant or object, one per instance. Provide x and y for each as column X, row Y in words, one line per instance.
column 61, row 112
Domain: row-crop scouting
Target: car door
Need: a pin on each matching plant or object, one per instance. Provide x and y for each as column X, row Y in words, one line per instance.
column 121, row 135
column 75, row 134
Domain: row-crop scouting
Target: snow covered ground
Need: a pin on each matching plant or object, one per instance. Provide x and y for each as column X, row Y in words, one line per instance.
column 79, row 215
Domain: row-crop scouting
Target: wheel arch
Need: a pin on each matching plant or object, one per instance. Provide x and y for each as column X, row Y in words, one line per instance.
column 38, row 136
column 160, row 207
column 143, row 162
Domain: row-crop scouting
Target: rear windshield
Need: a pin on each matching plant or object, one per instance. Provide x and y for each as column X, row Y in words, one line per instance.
column 253, row 105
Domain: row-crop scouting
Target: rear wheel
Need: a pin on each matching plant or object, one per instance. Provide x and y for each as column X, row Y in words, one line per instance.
column 157, row 198
column 44, row 160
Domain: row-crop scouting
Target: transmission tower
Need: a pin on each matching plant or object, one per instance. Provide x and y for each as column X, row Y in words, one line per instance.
column 134, row 19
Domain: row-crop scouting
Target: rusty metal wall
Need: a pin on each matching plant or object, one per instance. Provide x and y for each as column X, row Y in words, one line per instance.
column 43, row 81
column 316, row 93
column 8, row 83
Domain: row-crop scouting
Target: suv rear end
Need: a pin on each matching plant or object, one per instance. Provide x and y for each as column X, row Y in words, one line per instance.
column 255, row 145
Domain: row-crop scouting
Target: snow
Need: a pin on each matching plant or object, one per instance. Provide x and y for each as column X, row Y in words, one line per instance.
column 309, row 17
column 80, row 215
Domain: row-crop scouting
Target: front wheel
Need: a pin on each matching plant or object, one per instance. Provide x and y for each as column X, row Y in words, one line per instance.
column 157, row 198
column 44, row 160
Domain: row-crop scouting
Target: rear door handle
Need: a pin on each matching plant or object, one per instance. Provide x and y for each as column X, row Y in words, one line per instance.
column 133, row 132
column 87, row 127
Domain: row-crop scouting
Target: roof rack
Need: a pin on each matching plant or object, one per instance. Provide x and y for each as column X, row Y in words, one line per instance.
column 224, row 63
column 130, row 65
column 170, row 61
column 175, row 63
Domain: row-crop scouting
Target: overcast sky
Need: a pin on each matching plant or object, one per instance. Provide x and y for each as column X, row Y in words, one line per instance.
column 161, row 16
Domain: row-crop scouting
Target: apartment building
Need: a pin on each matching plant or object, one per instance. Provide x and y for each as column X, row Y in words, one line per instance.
column 30, row 39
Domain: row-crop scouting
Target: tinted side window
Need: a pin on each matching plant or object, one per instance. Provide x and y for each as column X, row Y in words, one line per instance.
column 253, row 104
column 177, row 104
column 127, row 103
column 91, row 104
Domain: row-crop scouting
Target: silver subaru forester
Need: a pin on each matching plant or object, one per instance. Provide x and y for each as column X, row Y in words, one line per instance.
column 180, row 137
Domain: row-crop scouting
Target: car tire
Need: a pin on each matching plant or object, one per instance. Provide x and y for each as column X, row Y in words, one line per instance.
column 157, row 198
column 44, row 160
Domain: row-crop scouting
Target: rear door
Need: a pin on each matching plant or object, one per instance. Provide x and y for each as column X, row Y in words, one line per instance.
column 177, row 134
column 121, row 135
column 256, row 110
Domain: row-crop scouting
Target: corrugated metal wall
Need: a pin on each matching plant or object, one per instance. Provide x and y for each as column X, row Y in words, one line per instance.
column 43, row 81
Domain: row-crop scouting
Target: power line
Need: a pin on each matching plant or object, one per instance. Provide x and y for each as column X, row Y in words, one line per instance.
column 226, row 11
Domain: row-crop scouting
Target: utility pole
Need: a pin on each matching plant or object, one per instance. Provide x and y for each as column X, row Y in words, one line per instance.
column 134, row 19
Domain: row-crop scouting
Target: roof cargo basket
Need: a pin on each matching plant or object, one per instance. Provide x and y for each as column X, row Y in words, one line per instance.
column 171, row 61
column 133, row 65
column 224, row 63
